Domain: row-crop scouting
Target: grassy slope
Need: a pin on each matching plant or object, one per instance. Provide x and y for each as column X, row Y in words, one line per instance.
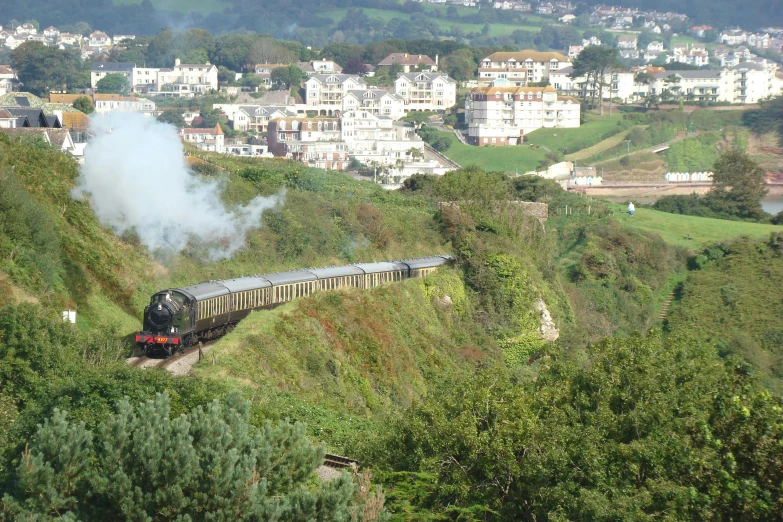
column 328, row 218
column 523, row 158
column 184, row 6
column 351, row 354
column 606, row 144
column 494, row 29
column 505, row 159
column 734, row 303
column 554, row 139
column 676, row 229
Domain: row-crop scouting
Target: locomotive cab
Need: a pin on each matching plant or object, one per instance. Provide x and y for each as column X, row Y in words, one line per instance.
column 167, row 322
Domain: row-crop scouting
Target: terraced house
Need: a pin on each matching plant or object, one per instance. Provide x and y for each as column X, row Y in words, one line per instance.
column 520, row 68
column 503, row 115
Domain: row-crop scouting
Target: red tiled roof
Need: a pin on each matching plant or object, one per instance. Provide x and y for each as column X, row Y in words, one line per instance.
column 407, row 59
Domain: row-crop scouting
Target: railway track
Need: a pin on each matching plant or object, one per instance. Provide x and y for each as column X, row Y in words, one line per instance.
column 144, row 361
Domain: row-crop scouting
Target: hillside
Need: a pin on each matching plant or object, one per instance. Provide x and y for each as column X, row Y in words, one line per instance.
column 731, row 300
column 405, row 376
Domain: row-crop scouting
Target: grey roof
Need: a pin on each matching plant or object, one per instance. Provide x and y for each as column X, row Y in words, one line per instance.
column 431, row 76
column 702, row 73
column 336, row 271
column 205, row 290
column 383, row 266
column 35, row 117
column 22, row 101
column 341, row 78
column 425, row 262
column 242, row 284
column 112, row 67
column 379, row 93
column 296, row 276
column 748, row 65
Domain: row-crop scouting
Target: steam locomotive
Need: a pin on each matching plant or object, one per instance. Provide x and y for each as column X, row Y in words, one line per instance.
column 177, row 318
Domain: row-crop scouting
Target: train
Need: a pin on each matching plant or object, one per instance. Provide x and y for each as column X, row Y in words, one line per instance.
column 177, row 318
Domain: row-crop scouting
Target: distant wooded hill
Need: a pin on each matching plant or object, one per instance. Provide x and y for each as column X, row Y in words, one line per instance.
column 316, row 23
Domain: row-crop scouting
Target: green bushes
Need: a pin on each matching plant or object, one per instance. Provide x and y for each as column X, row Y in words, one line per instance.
column 29, row 246
column 632, row 428
column 728, row 301
column 693, row 154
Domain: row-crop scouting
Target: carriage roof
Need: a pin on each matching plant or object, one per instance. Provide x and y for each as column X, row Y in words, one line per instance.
column 425, row 262
column 383, row 266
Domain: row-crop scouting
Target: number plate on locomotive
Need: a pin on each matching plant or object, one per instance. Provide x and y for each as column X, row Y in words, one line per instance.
column 161, row 339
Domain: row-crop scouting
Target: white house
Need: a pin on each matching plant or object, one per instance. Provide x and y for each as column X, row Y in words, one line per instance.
column 375, row 101
column 105, row 103
column 119, row 38
column 502, row 115
column 320, row 67
column 325, row 92
column 734, row 37
column 617, row 84
column 409, row 62
column 520, row 67
column 26, row 28
column 100, row 70
column 426, row 91
column 51, row 33
column 211, row 140
column 627, row 42
column 99, row 39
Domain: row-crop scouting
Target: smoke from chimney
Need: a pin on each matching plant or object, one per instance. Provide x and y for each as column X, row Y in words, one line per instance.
column 136, row 178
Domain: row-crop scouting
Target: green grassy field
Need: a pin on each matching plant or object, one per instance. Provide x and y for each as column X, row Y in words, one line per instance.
column 506, row 159
column 690, row 231
column 386, row 15
column 524, row 158
column 554, row 139
column 184, row 6
column 606, row 144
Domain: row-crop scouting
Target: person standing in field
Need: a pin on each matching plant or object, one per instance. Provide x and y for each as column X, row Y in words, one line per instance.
column 631, row 208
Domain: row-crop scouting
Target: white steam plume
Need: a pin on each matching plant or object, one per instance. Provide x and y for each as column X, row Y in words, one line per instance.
column 136, row 178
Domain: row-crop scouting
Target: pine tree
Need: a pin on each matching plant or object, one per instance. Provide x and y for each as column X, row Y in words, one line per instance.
column 140, row 464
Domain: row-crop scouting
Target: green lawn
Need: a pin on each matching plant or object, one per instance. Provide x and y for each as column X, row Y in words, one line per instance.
column 184, row 6
column 519, row 159
column 385, row 15
column 554, row 139
column 522, row 158
column 676, row 229
column 607, row 144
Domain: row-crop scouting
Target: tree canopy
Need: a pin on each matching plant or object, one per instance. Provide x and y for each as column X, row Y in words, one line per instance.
column 738, row 186
column 42, row 69
column 113, row 84
column 141, row 464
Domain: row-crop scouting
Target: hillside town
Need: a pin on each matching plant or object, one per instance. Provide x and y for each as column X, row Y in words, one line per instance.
column 329, row 118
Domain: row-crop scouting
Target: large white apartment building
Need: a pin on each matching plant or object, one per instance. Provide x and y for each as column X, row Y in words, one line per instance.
column 502, row 115
column 378, row 138
column 182, row 80
column 426, row 91
column 744, row 83
column 375, row 101
column 521, row 67
column 617, row 84
column 324, row 92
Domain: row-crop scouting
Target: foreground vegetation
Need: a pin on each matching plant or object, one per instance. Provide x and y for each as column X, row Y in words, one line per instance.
column 444, row 386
